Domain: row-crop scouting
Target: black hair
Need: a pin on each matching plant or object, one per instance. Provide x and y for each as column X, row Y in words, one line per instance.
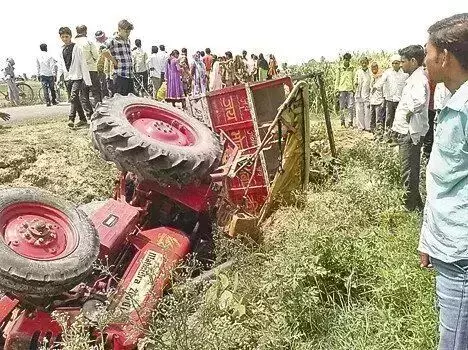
column 208, row 51
column 347, row 56
column 154, row 49
column 126, row 25
column 65, row 30
column 228, row 54
column 184, row 50
column 202, row 53
column 244, row 53
column 413, row 51
column 162, row 48
column 451, row 34
column 137, row 42
column 81, row 29
column 43, row 47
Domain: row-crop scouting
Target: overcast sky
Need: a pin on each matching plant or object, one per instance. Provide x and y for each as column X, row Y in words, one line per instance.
column 294, row 30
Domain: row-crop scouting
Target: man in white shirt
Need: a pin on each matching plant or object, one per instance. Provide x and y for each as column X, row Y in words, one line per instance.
column 393, row 81
column 46, row 70
column 376, row 99
column 163, row 56
column 362, row 95
column 155, row 70
column 140, row 60
column 75, row 72
column 91, row 56
column 411, row 122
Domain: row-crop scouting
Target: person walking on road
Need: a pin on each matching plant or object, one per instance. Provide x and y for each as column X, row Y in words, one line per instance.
column 91, row 56
column 72, row 65
column 46, row 70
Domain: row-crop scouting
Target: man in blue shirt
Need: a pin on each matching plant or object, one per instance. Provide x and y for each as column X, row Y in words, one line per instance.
column 444, row 234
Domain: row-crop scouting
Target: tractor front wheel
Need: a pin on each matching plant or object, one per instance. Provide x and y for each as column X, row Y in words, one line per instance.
column 46, row 244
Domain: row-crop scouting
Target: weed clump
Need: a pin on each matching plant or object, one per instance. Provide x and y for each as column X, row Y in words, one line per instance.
column 340, row 273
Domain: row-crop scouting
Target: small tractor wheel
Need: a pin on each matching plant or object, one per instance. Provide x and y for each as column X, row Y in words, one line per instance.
column 154, row 140
column 46, row 244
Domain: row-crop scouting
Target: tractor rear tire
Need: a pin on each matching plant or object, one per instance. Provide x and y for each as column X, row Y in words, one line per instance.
column 37, row 277
column 150, row 154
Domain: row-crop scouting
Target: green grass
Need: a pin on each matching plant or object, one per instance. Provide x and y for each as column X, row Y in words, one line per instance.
column 341, row 273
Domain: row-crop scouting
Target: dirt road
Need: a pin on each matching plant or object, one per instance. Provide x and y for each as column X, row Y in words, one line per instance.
column 18, row 114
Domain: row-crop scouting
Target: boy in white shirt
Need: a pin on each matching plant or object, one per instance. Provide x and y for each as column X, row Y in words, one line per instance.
column 76, row 75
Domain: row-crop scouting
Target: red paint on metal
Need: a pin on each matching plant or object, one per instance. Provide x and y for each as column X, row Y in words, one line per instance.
column 231, row 113
column 173, row 246
column 193, row 196
column 161, row 125
column 114, row 221
column 7, row 305
column 37, row 231
column 30, row 329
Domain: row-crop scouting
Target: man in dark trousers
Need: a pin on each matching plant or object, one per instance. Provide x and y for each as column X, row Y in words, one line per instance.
column 120, row 54
column 140, row 67
column 411, row 122
column 91, row 56
column 46, row 69
column 76, row 75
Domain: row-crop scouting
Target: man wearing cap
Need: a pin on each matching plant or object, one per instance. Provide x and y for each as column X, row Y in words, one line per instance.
column 393, row 80
column 105, row 64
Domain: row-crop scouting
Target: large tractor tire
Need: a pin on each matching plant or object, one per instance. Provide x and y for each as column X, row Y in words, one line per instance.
column 154, row 140
column 47, row 246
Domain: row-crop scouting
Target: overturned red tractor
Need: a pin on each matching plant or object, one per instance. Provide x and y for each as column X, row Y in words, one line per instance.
column 179, row 176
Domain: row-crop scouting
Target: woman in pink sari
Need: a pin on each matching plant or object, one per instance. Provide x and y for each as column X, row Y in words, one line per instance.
column 175, row 92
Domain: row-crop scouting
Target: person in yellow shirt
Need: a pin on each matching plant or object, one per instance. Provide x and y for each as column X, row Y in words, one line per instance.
column 344, row 88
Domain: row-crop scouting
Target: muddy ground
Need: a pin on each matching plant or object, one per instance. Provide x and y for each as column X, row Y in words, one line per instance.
column 49, row 155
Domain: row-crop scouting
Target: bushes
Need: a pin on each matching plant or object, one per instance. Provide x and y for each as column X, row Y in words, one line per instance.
column 342, row 273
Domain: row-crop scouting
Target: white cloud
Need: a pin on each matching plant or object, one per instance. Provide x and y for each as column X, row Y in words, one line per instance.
column 294, row 30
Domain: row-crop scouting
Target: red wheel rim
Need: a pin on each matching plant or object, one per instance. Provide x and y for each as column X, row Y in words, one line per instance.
column 161, row 124
column 37, row 231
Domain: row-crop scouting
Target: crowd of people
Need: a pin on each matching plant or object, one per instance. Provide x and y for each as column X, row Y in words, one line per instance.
column 104, row 66
column 394, row 103
column 421, row 103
